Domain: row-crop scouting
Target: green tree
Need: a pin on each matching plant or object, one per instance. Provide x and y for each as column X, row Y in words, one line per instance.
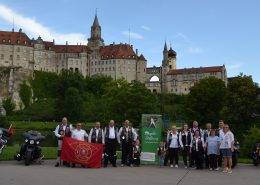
column 44, row 84
column 206, row 100
column 129, row 101
column 241, row 103
column 73, row 104
column 25, row 94
column 8, row 105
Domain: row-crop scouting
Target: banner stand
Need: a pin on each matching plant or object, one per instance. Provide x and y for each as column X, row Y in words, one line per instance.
column 151, row 136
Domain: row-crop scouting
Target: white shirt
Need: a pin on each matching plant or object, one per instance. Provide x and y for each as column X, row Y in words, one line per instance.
column 174, row 140
column 97, row 132
column 226, row 140
column 221, row 133
column 112, row 133
column 79, row 134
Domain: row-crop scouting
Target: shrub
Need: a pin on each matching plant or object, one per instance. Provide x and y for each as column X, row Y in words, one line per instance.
column 250, row 139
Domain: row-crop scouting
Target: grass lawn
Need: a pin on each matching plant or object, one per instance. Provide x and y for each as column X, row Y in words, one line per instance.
column 10, row 151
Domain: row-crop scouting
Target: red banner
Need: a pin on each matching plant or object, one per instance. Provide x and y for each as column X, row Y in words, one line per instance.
column 81, row 152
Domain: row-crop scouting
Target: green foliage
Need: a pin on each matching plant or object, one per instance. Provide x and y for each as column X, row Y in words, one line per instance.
column 173, row 106
column 44, row 84
column 206, row 100
column 73, row 104
column 25, row 94
column 42, row 109
column 241, row 103
column 252, row 137
column 4, row 122
column 8, row 105
column 129, row 100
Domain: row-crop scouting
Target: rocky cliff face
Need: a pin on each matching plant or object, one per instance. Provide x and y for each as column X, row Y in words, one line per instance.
column 10, row 80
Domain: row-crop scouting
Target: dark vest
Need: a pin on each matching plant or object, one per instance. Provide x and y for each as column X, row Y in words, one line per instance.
column 96, row 138
column 67, row 131
column 193, row 131
column 107, row 133
column 126, row 136
column 206, row 135
column 186, row 140
column 200, row 145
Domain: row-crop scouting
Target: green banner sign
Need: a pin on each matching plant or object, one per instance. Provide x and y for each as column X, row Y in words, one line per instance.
column 151, row 134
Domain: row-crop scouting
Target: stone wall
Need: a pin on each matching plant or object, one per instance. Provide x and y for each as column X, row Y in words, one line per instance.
column 10, row 80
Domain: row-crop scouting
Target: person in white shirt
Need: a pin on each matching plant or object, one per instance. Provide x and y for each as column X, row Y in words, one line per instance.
column 96, row 135
column 185, row 138
column 61, row 131
column 219, row 133
column 173, row 144
column 227, row 147
column 79, row 133
column 110, row 133
column 126, row 137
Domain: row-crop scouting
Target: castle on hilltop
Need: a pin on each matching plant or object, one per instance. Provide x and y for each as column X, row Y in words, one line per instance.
column 114, row 60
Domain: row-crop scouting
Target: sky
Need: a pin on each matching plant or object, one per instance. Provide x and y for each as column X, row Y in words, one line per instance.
column 202, row 32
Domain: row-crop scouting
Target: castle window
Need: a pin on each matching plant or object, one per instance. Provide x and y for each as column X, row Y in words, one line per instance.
column 11, row 57
column 2, row 56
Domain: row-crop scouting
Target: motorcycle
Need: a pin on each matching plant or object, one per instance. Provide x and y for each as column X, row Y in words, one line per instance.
column 5, row 135
column 31, row 150
column 256, row 154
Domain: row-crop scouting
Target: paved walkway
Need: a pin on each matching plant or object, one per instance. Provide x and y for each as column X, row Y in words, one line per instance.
column 14, row 173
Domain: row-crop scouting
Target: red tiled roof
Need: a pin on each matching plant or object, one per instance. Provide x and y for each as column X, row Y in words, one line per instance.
column 70, row 48
column 196, row 70
column 14, row 38
column 48, row 45
column 117, row 51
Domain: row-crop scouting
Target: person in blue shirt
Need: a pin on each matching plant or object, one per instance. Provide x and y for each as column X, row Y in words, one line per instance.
column 212, row 145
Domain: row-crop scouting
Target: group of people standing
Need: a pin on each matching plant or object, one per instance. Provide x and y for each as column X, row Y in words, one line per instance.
column 110, row 136
column 197, row 146
column 201, row 147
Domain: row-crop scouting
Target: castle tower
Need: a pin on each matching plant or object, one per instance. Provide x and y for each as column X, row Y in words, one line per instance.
column 165, row 54
column 95, row 40
column 168, row 63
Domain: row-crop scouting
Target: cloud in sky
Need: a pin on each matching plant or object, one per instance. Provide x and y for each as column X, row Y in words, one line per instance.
column 234, row 67
column 146, row 28
column 133, row 35
column 195, row 50
column 34, row 28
